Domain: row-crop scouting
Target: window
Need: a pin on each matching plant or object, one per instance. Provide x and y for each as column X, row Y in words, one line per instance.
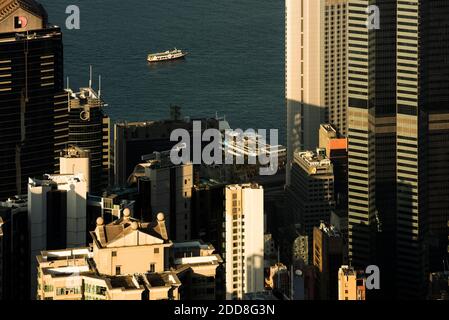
column 100, row 291
column 20, row 22
column 152, row 267
column 114, row 253
column 48, row 288
column 156, row 250
column 118, row 270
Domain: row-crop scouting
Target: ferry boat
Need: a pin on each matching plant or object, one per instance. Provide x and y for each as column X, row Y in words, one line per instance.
column 167, row 55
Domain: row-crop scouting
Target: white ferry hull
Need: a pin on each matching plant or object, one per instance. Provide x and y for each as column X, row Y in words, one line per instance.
column 168, row 57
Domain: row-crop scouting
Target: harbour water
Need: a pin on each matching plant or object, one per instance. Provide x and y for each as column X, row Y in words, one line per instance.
column 235, row 66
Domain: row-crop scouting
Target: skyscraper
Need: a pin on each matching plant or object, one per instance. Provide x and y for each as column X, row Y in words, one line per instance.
column 89, row 129
column 33, row 105
column 315, row 71
column 243, row 248
column 311, row 192
column 56, row 215
column 398, row 116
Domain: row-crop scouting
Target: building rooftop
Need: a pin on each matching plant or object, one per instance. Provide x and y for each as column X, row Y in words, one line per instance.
column 147, row 233
column 208, row 183
column 314, row 158
column 33, row 7
column 195, row 253
column 329, row 129
column 249, row 144
column 73, row 151
column 335, row 144
column 350, row 271
column 244, row 186
column 56, row 179
column 329, row 229
column 85, row 98
column 65, row 262
column 16, row 202
column 314, row 162
column 155, row 160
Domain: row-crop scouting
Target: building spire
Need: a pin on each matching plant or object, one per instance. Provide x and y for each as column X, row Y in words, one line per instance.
column 90, row 77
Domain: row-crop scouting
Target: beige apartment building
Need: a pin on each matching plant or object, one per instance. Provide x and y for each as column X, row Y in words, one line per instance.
column 351, row 284
column 128, row 260
column 244, row 240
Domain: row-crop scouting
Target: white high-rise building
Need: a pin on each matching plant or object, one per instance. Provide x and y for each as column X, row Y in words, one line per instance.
column 315, row 60
column 75, row 160
column 56, row 215
column 244, row 240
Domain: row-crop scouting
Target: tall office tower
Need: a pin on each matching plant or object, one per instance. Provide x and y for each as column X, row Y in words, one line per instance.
column 132, row 140
column 33, row 106
column 14, row 246
column 89, row 129
column 311, row 191
column 57, row 215
column 434, row 100
column 316, row 71
column 243, row 249
column 351, row 284
column 361, row 142
column 170, row 191
column 328, row 251
column 397, row 151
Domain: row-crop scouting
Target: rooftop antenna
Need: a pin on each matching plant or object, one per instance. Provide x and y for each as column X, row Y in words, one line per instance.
column 99, row 87
column 68, row 93
column 90, row 77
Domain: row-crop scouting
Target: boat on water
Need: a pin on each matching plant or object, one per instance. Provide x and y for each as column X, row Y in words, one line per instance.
column 167, row 55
